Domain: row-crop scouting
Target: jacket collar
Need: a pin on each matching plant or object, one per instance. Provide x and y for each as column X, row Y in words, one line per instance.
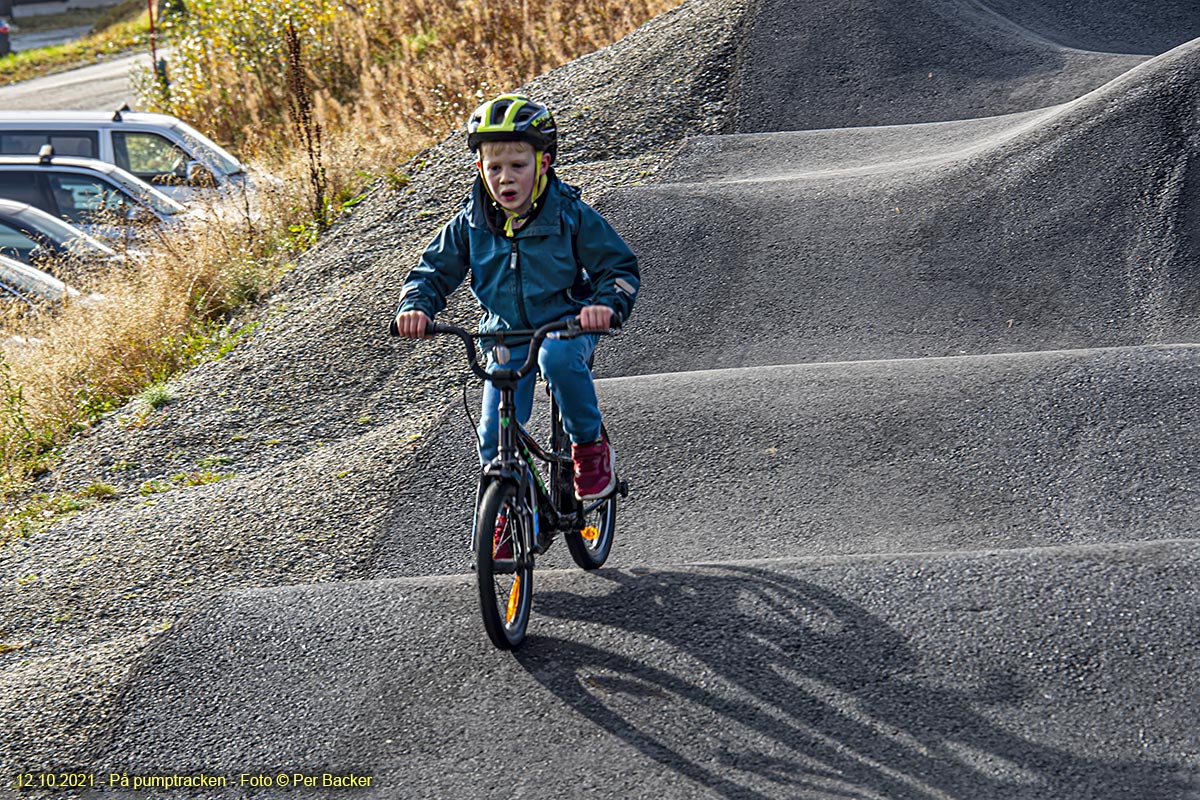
column 548, row 222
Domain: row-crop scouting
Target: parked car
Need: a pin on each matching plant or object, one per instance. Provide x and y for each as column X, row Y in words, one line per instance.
column 5, row 44
column 101, row 199
column 22, row 282
column 160, row 149
column 34, row 237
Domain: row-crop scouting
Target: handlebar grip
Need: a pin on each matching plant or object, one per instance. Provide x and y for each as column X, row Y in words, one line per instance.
column 569, row 326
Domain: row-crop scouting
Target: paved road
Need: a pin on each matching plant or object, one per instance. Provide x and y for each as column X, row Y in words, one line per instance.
column 101, row 87
column 1007, row 676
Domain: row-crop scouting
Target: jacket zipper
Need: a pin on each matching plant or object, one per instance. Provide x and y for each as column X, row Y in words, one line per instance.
column 514, row 264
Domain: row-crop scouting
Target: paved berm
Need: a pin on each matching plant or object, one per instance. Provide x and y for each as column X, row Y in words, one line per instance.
column 908, row 408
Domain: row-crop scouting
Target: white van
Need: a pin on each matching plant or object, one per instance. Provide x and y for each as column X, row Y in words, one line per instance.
column 161, row 150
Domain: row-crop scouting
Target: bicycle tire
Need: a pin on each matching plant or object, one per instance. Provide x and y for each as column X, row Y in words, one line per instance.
column 505, row 587
column 590, row 545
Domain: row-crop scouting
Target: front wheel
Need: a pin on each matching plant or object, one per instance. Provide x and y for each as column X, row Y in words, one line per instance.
column 505, row 586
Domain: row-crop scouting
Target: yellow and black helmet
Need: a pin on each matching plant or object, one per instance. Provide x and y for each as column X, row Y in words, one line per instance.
column 513, row 118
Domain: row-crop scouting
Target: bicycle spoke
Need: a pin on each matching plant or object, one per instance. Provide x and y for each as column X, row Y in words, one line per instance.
column 503, row 531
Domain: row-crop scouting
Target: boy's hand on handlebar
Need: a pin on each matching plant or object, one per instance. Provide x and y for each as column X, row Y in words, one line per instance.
column 595, row 318
column 412, row 324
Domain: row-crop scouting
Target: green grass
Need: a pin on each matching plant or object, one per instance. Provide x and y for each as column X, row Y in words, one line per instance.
column 158, row 395
column 43, row 509
column 182, row 479
column 208, row 462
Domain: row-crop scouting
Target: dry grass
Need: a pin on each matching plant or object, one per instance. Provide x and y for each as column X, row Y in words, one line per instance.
column 385, row 79
column 401, row 68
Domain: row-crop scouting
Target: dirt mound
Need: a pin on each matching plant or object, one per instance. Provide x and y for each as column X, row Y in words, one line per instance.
column 840, row 63
column 1117, row 26
column 1067, row 229
column 864, row 457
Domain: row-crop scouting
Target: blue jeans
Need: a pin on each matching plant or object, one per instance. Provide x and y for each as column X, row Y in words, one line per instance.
column 564, row 363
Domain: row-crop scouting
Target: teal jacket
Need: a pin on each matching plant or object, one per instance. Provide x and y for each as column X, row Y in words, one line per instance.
column 564, row 258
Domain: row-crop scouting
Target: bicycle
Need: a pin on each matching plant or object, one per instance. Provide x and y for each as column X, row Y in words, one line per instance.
column 517, row 512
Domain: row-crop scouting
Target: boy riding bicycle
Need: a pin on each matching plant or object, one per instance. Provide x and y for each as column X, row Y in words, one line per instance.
column 537, row 254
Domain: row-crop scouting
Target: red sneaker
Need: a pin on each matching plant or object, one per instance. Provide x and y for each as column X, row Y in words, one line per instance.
column 595, row 470
column 501, row 540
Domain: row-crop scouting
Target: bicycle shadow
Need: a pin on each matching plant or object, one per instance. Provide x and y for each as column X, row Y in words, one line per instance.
column 776, row 687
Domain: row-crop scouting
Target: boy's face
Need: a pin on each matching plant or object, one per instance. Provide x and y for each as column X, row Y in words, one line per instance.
column 510, row 172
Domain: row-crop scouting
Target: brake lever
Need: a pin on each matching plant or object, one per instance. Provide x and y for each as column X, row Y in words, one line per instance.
column 574, row 329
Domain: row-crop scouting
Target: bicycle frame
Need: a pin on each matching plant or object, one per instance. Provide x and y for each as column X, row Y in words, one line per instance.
column 518, row 451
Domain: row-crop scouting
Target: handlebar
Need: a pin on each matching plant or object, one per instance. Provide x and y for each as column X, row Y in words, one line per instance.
column 570, row 326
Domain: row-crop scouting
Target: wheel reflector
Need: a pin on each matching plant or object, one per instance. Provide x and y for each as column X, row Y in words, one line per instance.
column 591, row 533
column 514, row 598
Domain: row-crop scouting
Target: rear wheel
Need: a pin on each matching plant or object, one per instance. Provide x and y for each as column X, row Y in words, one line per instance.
column 505, row 587
column 590, row 544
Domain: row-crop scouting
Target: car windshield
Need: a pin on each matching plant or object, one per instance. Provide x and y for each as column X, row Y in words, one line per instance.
column 58, row 230
column 146, row 193
column 220, row 159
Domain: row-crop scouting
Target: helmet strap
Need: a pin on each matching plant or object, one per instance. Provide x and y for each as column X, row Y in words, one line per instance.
column 540, row 179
